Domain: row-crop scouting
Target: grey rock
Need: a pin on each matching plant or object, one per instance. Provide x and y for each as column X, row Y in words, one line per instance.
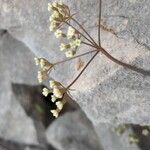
column 111, row 141
column 16, row 66
column 73, row 131
column 108, row 93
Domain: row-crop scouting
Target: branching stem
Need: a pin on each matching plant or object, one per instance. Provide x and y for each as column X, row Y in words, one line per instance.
column 60, row 62
column 134, row 68
column 84, row 30
column 78, row 32
column 82, row 70
column 99, row 23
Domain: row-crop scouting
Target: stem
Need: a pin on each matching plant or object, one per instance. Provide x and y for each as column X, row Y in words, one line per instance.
column 136, row 69
column 74, row 57
column 88, row 44
column 99, row 25
column 82, row 70
column 78, row 32
column 84, row 30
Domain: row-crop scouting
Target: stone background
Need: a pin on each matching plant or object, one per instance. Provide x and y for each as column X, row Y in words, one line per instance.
column 108, row 94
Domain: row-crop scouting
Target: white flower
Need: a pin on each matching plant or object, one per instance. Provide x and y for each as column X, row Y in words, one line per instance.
column 57, row 92
column 71, row 32
column 55, row 113
column 73, row 45
column 55, row 14
column 70, row 53
column 45, row 92
column 64, row 46
column 53, row 98
column 59, row 105
column 54, row 4
column 53, row 83
column 58, row 33
column 37, row 61
column 77, row 42
column 53, row 26
column 42, row 75
column 49, row 6
column 42, row 63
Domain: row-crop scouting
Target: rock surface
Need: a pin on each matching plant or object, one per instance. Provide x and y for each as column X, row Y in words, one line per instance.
column 73, row 131
column 16, row 66
column 111, row 141
column 108, row 93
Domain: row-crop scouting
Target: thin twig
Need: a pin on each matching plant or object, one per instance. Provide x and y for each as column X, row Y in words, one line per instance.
column 82, row 70
column 84, row 30
column 78, row 31
column 88, row 44
column 134, row 68
column 74, row 57
column 99, row 24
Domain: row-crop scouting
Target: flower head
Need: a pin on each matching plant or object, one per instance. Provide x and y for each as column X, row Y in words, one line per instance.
column 53, row 98
column 70, row 53
column 53, row 84
column 42, row 75
column 60, row 13
column 59, row 105
column 37, row 61
column 45, row 92
column 58, row 33
column 45, row 67
column 64, row 46
column 55, row 112
column 77, row 42
column 57, row 92
column 71, row 32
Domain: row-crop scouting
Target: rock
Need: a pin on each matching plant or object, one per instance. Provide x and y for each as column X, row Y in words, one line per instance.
column 73, row 131
column 16, row 66
column 111, row 141
column 108, row 93
column 11, row 145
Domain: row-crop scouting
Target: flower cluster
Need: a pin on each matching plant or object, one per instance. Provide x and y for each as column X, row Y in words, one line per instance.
column 45, row 67
column 61, row 14
column 74, row 42
column 58, row 93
